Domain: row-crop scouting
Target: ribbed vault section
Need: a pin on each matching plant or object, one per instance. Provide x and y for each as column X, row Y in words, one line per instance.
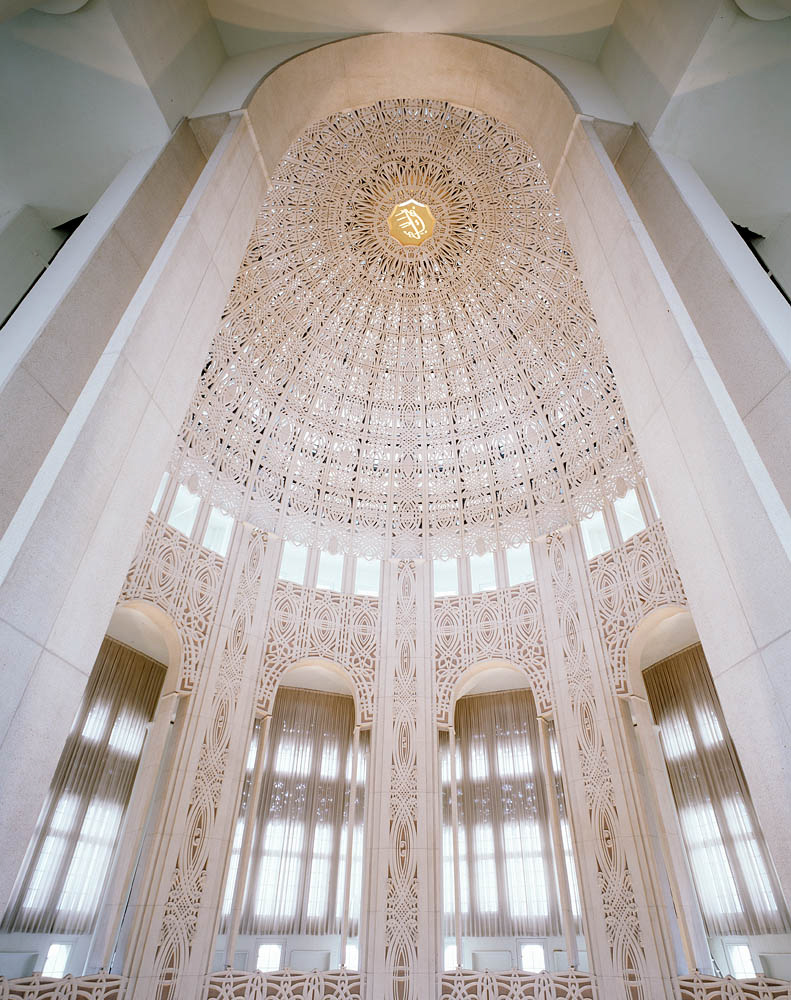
column 405, row 400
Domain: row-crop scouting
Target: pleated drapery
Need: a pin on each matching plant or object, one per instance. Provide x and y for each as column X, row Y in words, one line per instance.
column 61, row 882
column 736, row 884
column 507, row 880
column 295, row 882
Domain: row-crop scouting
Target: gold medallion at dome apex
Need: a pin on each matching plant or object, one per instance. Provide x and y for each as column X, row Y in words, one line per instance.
column 411, row 223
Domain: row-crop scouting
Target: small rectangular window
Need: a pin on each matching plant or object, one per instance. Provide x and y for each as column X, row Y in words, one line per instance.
column 740, row 961
column 450, row 957
column 184, row 511
column 352, row 956
column 533, row 957
column 163, row 483
column 446, row 578
column 330, row 574
column 520, row 564
column 57, row 957
column 482, row 575
column 217, row 536
column 366, row 577
column 630, row 517
column 594, row 535
column 268, row 958
column 293, row 562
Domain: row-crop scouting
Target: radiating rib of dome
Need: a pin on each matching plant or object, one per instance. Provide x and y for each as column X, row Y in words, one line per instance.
column 382, row 396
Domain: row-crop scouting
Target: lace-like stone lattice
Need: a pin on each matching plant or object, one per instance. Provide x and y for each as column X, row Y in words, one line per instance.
column 390, row 399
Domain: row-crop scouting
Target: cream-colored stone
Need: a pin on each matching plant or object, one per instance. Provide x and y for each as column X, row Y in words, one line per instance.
column 67, row 350
column 241, row 219
column 746, row 695
column 746, row 359
column 757, row 562
column 763, row 422
column 632, row 156
column 715, row 606
column 24, row 403
column 185, row 260
column 176, row 383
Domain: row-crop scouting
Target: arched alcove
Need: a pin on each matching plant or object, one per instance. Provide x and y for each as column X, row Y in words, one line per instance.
column 661, row 633
column 152, row 632
column 487, row 677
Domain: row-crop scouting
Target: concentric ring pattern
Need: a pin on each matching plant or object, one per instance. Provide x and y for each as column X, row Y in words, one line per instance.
column 408, row 400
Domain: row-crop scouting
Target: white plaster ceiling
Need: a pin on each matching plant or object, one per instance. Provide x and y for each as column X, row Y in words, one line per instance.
column 574, row 27
column 731, row 117
column 75, row 109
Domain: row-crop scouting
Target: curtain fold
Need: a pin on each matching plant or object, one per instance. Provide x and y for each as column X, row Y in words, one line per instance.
column 507, row 873
column 60, row 885
column 735, row 880
column 295, row 882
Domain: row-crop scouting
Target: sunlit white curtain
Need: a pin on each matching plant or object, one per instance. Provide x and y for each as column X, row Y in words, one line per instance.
column 734, row 877
column 60, row 885
column 508, row 884
column 295, row 883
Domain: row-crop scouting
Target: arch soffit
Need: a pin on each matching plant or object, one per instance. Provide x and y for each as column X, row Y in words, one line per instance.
column 523, row 677
column 335, row 672
column 675, row 617
column 169, row 632
column 356, row 72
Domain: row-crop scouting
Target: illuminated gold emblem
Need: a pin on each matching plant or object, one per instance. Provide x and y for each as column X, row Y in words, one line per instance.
column 411, row 223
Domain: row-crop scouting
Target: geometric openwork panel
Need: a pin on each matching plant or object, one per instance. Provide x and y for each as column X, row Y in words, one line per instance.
column 501, row 625
column 385, row 396
column 627, row 583
column 181, row 578
column 304, row 623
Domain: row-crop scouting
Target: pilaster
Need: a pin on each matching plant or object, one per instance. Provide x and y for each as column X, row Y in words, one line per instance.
column 627, row 942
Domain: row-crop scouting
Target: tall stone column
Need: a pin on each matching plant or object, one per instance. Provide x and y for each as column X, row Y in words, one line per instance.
column 403, row 894
column 629, row 944
column 175, row 913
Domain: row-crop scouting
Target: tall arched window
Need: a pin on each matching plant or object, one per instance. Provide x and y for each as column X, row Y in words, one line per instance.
column 59, row 888
column 295, row 908
column 738, row 890
column 514, row 864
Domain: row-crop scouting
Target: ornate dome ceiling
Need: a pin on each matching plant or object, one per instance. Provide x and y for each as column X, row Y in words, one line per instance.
column 379, row 393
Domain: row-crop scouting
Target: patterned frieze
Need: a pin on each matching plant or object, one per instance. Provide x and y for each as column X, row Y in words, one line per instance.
column 626, row 584
column 305, row 622
column 496, row 625
column 39, row 987
column 181, row 578
column 285, row 985
column 516, row 985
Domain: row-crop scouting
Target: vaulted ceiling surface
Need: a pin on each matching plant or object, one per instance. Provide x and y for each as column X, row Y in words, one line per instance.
column 574, row 27
column 453, row 395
